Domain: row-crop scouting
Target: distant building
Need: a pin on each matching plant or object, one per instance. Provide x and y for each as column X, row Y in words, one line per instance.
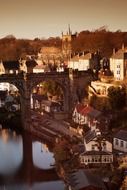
column 41, row 69
column 80, row 63
column 118, row 63
column 2, row 68
column 85, row 114
column 120, row 141
column 100, row 88
column 67, row 40
column 50, row 106
column 10, row 67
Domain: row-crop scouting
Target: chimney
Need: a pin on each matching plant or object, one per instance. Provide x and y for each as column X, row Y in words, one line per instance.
column 114, row 51
column 83, row 53
column 123, row 46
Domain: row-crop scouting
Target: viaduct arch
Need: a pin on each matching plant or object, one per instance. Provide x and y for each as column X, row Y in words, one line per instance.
column 26, row 82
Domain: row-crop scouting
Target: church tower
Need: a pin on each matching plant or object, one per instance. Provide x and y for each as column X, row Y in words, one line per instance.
column 67, row 40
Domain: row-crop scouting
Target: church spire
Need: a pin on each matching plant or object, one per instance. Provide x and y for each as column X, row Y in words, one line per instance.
column 69, row 29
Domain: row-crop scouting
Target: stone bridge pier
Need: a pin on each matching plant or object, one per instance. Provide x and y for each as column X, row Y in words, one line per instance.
column 26, row 106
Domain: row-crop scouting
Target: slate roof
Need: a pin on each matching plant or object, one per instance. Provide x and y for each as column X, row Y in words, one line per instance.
column 120, row 54
column 88, row 110
column 11, row 65
column 85, row 179
column 79, row 107
column 75, row 58
column 86, row 56
column 93, row 152
column 39, row 66
column 89, row 136
column 122, row 134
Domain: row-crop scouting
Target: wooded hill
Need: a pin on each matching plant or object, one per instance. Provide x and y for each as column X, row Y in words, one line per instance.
column 101, row 39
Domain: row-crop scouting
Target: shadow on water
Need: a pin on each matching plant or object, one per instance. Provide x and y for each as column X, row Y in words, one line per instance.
column 26, row 162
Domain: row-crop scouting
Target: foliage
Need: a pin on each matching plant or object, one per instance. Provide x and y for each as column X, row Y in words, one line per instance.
column 13, row 49
column 117, row 97
column 52, row 88
column 61, row 151
column 101, row 39
column 100, row 103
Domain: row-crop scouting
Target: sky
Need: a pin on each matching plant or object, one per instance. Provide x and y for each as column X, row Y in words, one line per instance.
column 48, row 18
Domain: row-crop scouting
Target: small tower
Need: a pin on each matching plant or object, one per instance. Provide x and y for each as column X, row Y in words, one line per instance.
column 67, row 42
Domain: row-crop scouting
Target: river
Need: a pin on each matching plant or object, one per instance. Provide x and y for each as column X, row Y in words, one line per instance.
column 26, row 163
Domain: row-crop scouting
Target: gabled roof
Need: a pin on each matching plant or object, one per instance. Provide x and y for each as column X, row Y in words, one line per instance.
column 85, row 179
column 88, row 110
column 86, row 56
column 93, row 152
column 75, row 58
column 119, row 54
column 89, row 136
column 79, row 107
column 122, row 134
column 11, row 65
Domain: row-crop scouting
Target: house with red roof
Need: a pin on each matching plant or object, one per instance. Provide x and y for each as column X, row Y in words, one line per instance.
column 85, row 114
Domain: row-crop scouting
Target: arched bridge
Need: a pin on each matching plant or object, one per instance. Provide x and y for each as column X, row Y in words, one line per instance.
column 25, row 82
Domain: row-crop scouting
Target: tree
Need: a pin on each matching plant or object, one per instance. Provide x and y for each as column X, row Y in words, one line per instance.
column 117, row 97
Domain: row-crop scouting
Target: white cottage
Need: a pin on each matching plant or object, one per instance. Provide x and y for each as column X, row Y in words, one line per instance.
column 97, row 149
column 120, row 141
column 118, row 63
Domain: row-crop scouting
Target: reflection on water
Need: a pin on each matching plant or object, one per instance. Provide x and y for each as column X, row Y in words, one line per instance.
column 26, row 164
column 45, row 158
column 11, row 152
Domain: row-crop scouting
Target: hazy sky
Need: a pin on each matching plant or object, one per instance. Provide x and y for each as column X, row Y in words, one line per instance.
column 44, row 18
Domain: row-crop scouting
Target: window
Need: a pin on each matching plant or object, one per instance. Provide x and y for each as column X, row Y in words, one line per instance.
column 121, row 143
column 116, row 142
column 93, row 147
column 118, row 72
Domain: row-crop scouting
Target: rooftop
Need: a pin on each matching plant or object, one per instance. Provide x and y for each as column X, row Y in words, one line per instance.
column 122, row 134
column 84, row 179
column 90, row 135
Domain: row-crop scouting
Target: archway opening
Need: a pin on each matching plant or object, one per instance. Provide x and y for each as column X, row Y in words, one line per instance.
column 48, row 96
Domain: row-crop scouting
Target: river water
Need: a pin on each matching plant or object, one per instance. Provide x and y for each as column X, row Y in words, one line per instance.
column 26, row 163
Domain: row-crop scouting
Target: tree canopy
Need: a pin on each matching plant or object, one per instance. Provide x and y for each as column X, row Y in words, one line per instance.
column 117, row 97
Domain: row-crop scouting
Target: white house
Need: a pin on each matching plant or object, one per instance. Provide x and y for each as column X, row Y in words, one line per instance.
column 39, row 69
column 74, row 62
column 118, row 63
column 120, row 141
column 84, row 62
column 81, row 63
column 100, row 88
column 94, row 142
column 2, row 68
column 97, row 149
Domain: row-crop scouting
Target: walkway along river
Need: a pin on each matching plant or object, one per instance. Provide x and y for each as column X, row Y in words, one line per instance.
column 26, row 163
